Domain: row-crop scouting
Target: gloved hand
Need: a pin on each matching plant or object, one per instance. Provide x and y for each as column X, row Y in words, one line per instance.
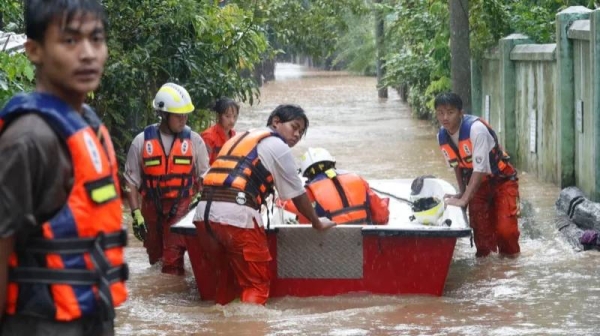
column 195, row 201
column 139, row 225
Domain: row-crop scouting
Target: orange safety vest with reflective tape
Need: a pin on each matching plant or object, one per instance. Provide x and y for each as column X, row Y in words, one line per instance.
column 342, row 197
column 238, row 167
column 461, row 156
column 74, row 265
column 167, row 177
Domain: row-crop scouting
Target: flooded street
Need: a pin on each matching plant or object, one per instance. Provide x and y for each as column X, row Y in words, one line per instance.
column 548, row 290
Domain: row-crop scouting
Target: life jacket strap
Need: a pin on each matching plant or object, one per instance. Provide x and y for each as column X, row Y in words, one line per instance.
column 231, row 195
column 361, row 207
column 75, row 245
column 73, row 277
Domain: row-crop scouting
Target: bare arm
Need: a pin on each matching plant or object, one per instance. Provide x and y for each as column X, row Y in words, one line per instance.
column 468, row 194
column 6, row 248
column 459, row 179
column 304, row 206
column 133, row 196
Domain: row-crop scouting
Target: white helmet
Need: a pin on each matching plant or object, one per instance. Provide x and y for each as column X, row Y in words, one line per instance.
column 428, row 210
column 173, row 98
column 313, row 156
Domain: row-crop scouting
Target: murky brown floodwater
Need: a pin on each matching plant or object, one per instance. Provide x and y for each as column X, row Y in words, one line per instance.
column 548, row 290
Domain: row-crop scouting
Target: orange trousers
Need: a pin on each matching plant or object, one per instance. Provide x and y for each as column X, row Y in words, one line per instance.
column 160, row 243
column 240, row 260
column 493, row 215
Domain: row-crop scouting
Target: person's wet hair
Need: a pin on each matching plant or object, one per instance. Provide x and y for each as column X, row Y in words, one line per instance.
column 448, row 98
column 223, row 104
column 40, row 13
column 288, row 112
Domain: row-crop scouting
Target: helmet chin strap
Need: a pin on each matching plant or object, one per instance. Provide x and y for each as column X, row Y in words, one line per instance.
column 165, row 121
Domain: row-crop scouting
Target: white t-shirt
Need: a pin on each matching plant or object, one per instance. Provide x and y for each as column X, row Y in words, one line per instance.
column 133, row 165
column 277, row 158
column 483, row 143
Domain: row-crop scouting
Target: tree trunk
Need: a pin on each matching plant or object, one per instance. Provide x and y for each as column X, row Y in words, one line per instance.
column 460, row 51
column 382, row 91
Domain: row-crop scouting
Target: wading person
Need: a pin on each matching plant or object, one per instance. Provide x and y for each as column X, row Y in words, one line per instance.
column 165, row 165
column 228, row 219
column 61, row 248
column 486, row 180
column 341, row 196
column 215, row 136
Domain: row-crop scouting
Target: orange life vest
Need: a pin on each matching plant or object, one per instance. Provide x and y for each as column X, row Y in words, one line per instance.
column 214, row 138
column 237, row 175
column 461, row 156
column 74, row 265
column 167, row 177
column 341, row 197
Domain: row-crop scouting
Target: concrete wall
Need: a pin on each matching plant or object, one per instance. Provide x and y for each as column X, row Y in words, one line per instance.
column 584, row 130
column 535, row 109
column 544, row 101
column 490, row 93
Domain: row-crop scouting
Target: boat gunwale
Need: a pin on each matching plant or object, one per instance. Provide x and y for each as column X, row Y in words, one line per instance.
column 367, row 230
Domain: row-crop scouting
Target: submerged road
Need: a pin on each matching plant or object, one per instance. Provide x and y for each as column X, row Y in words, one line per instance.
column 548, row 290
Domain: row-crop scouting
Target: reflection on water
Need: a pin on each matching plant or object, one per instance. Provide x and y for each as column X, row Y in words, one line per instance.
column 548, row 290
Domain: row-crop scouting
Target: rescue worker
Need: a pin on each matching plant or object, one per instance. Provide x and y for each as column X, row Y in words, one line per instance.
column 165, row 165
column 343, row 197
column 487, row 181
column 228, row 219
column 215, row 136
column 62, row 268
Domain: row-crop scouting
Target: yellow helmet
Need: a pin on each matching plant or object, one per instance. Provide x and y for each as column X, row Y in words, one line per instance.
column 173, row 98
column 428, row 210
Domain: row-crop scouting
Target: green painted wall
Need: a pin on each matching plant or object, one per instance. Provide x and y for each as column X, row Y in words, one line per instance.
column 535, row 96
column 584, row 141
column 538, row 84
column 490, row 86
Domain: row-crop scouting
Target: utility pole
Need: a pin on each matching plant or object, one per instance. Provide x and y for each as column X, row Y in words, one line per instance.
column 382, row 92
column 460, row 66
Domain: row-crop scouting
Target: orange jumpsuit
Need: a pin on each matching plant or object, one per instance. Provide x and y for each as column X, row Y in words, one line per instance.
column 167, row 190
column 344, row 198
column 494, row 208
column 214, row 138
column 239, row 256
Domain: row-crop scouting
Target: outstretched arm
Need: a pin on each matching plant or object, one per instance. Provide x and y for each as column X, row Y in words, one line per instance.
column 304, row 206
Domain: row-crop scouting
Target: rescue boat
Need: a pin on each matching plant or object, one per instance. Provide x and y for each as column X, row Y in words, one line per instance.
column 402, row 257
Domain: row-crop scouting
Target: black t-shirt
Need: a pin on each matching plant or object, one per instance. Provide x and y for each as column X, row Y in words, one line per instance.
column 36, row 174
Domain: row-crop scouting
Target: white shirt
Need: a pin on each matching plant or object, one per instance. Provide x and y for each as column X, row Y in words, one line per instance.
column 277, row 158
column 483, row 143
column 133, row 165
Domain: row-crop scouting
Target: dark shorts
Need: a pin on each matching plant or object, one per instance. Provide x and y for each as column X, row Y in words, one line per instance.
column 36, row 326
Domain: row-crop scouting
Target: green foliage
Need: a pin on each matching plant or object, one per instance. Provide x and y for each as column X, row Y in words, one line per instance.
column 196, row 44
column 356, row 49
column 16, row 75
column 308, row 27
column 11, row 14
column 419, row 55
column 418, row 39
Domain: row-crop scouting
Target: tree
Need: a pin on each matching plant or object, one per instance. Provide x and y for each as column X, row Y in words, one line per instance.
column 197, row 44
column 460, row 51
column 380, row 42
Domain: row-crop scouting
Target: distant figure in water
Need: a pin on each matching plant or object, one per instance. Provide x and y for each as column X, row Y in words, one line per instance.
column 215, row 136
column 341, row 196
